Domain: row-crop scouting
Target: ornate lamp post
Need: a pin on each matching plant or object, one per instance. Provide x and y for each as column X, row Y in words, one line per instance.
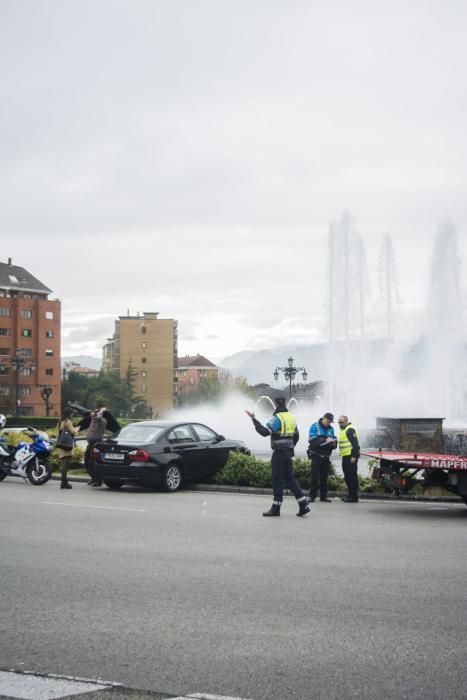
column 289, row 373
column 16, row 363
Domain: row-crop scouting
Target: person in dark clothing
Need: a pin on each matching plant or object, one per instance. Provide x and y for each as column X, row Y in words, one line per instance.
column 282, row 428
column 322, row 442
column 95, row 433
column 349, row 449
column 112, row 423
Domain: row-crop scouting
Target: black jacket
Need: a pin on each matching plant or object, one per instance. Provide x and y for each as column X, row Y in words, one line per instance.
column 112, row 423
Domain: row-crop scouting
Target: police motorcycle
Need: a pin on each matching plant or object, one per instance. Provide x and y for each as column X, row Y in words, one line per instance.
column 28, row 460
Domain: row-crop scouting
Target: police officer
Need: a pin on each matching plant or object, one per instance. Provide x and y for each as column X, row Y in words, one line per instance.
column 284, row 436
column 322, row 442
column 349, row 449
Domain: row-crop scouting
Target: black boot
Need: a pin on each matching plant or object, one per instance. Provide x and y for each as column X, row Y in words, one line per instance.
column 304, row 508
column 273, row 511
column 350, row 499
column 65, row 484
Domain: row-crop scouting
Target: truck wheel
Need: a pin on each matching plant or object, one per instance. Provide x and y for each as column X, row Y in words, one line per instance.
column 464, row 498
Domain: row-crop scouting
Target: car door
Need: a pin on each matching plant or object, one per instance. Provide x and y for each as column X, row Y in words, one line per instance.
column 184, row 443
column 213, row 456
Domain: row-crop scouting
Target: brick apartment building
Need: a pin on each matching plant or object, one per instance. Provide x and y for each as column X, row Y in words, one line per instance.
column 192, row 369
column 148, row 345
column 29, row 344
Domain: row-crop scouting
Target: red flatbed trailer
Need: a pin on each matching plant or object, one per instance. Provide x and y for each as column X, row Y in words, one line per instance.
column 397, row 470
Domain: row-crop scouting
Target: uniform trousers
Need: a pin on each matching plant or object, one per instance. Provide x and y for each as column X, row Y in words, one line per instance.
column 350, row 476
column 282, row 472
column 319, row 475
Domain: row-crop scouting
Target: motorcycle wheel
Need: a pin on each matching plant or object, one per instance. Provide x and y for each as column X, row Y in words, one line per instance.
column 38, row 473
column 2, row 475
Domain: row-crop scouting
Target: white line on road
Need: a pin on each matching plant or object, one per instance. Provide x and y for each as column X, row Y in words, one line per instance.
column 32, row 687
column 85, row 505
column 205, row 696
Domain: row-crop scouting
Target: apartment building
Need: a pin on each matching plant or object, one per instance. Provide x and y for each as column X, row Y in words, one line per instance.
column 146, row 345
column 30, row 376
column 192, row 370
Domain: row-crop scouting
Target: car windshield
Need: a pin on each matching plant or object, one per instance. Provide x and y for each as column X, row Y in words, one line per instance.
column 139, row 433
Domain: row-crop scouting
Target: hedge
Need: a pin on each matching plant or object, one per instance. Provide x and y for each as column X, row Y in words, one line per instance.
column 39, row 422
column 247, row 470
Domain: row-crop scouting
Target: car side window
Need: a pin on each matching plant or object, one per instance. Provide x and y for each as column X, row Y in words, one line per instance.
column 181, row 433
column 204, row 433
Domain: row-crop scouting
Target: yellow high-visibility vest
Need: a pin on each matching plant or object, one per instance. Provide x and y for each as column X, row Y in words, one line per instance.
column 288, row 424
column 345, row 446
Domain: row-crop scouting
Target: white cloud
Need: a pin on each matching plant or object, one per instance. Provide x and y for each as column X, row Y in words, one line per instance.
column 191, row 158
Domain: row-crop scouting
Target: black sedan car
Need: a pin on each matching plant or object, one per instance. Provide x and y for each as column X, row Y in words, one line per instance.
column 162, row 453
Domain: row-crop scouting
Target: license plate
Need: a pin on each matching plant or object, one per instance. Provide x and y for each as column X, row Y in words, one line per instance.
column 114, row 456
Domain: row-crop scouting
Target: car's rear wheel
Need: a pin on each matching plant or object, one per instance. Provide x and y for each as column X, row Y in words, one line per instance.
column 114, row 485
column 171, row 478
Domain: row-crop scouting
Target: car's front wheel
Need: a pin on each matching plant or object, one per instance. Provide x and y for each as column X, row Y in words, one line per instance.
column 171, row 477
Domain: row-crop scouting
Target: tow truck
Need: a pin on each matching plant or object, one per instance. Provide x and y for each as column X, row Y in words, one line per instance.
column 397, row 471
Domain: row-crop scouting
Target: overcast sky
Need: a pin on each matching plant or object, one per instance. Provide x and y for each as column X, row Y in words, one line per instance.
column 188, row 157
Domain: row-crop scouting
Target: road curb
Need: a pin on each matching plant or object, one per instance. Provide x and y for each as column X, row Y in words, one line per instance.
column 263, row 491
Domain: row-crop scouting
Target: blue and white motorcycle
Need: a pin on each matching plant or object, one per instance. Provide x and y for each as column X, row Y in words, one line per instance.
column 29, row 460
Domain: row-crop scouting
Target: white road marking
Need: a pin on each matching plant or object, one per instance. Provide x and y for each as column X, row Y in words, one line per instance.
column 206, row 696
column 27, row 685
column 85, row 505
column 32, row 687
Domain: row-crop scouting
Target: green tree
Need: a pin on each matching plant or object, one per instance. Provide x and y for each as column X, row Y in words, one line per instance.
column 107, row 386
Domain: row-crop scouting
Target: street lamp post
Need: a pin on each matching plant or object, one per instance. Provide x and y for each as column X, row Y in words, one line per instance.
column 289, row 373
column 16, row 363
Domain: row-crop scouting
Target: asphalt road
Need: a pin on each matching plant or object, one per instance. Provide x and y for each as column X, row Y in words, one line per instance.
column 196, row 592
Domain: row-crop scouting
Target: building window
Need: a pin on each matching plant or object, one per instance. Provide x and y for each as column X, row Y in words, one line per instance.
column 4, row 389
column 25, row 371
column 144, row 344
column 144, row 374
column 4, row 369
column 4, row 312
column 25, row 352
column 144, row 360
column 13, row 279
column 49, row 372
column 143, row 330
column 5, row 331
column 25, row 390
column 26, row 313
column 26, row 333
column 143, row 388
column 49, row 352
column 4, row 351
column 49, row 315
column 49, row 334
